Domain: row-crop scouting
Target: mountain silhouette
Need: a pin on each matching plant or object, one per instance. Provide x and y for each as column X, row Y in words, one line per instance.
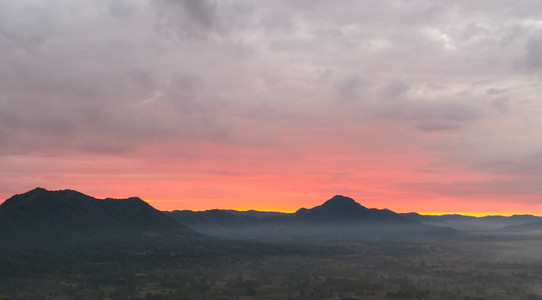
column 344, row 209
column 213, row 217
column 67, row 217
column 43, row 232
column 470, row 223
column 526, row 227
column 254, row 213
column 338, row 217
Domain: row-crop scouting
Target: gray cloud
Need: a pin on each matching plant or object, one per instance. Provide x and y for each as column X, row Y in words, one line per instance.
column 533, row 60
column 494, row 91
column 502, row 104
column 526, row 164
column 435, row 77
column 28, row 24
column 393, row 90
column 396, row 105
column 190, row 18
column 122, row 8
column 351, row 86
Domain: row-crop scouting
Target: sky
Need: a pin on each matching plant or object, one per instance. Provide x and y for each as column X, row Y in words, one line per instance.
column 427, row 106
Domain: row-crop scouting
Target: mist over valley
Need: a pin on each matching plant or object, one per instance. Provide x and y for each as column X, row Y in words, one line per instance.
column 66, row 245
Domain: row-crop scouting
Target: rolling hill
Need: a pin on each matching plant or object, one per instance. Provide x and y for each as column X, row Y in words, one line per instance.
column 469, row 223
column 69, row 219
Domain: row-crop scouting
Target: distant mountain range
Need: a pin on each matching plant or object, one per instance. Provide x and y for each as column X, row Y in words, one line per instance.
column 43, row 233
column 535, row 227
column 468, row 223
column 213, row 217
column 67, row 218
column 255, row 213
column 337, row 210
column 338, row 217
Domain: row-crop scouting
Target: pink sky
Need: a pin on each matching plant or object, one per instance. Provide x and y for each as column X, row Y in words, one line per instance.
column 412, row 106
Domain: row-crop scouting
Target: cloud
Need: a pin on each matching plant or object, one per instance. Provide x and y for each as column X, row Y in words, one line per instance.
column 122, row 9
column 351, row 86
column 116, row 58
column 534, row 50
column 393, row 90
column 494, row 91
column 29, row 23
column 189, row 18
column 528, row 163
column 502, row 104
column 394, row 104
column 492, row 189
column 451, row 81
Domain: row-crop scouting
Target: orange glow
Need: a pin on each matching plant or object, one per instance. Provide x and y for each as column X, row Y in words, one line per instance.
column 479, row 214
column 259, row 178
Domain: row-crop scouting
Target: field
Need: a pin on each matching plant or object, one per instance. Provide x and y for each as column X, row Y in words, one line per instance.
column 471, row 267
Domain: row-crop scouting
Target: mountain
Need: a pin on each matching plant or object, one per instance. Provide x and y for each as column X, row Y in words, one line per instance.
column 534, row 227
column 338, row 217
column 343, row 218
column 469, row 223
column 255, row 213
column 66, row 238
column 198, row 220
column 225, row 224
column 213, row 217
column 69, row 218
column 341, row 209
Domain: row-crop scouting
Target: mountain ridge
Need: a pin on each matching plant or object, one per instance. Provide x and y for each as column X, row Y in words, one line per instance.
column 471, row 223
column 71, row 217
column 345, row 209
column 68, row 217
column 337, row 217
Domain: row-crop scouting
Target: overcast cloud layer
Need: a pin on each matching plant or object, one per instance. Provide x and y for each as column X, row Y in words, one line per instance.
column 434, row 105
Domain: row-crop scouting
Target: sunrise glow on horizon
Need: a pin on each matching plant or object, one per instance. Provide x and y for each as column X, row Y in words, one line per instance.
column 412, row 106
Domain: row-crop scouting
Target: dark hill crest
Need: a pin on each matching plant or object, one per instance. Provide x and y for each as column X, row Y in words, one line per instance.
column 70, row 217
column 345, row 209
column 339, row 202
column 339, row 217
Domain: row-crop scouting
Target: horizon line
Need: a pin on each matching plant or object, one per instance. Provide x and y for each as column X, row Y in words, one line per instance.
column 466, row 213
column 290, row 211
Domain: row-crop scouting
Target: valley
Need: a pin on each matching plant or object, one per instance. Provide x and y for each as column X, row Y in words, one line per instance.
column 336, row 254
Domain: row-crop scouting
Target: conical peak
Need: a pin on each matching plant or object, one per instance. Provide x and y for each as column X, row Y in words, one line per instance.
column 341, row 201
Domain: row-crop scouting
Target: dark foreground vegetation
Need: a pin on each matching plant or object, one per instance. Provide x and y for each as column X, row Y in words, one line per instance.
column 494, row 268
column 141, row 254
